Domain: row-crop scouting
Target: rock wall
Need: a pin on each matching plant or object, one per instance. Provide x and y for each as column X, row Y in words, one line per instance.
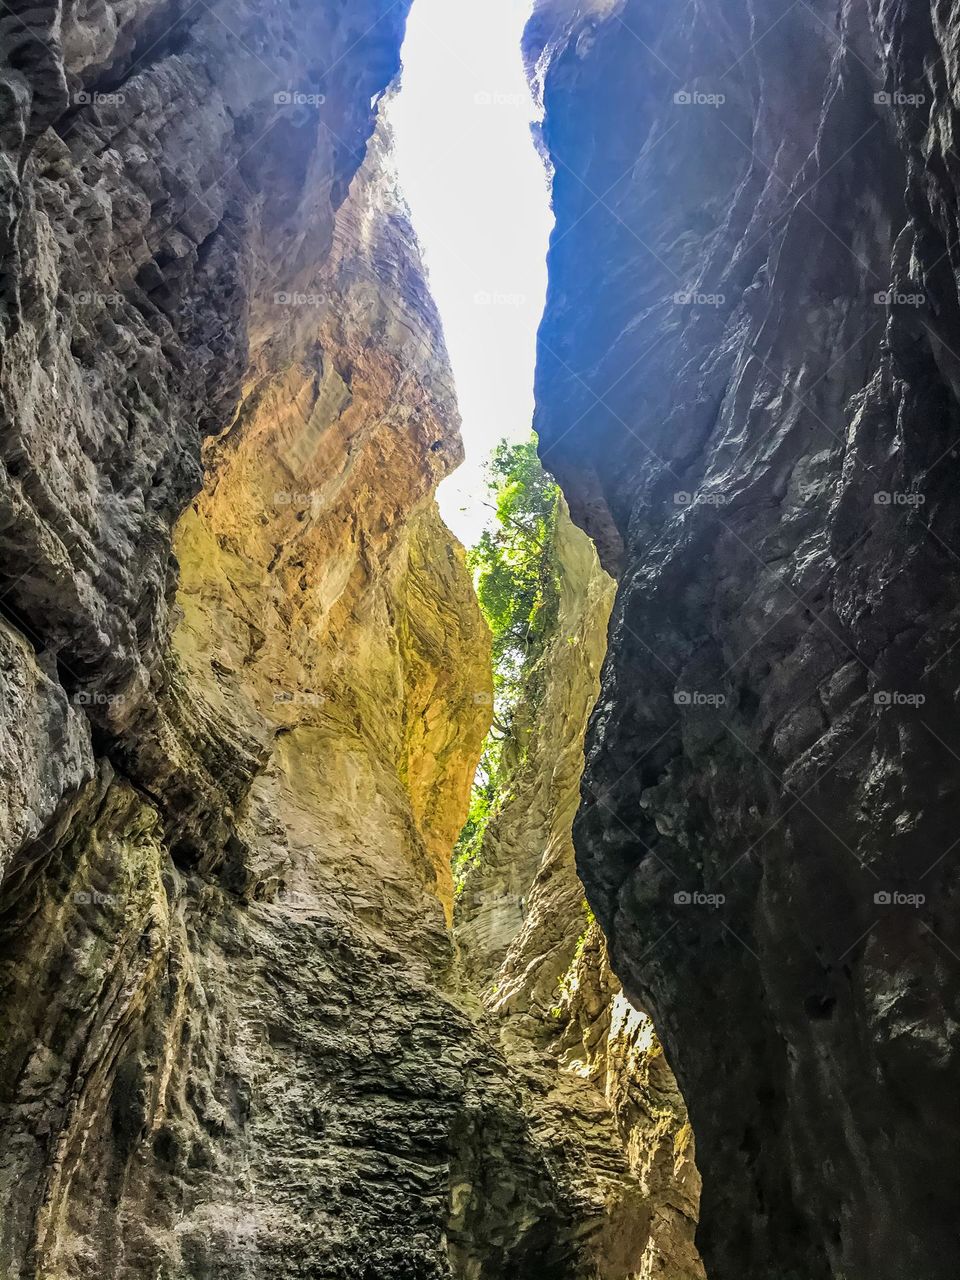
column 597, row 1082
column 747, row 386
column 230, row 1039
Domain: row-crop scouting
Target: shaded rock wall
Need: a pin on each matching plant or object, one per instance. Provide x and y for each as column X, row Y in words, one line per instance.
column 747, row 387
column 595, row 1076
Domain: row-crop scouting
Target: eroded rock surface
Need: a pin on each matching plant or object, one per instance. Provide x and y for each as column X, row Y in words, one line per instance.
column 747, row 387
column 598, row 1085
column 230, row 1039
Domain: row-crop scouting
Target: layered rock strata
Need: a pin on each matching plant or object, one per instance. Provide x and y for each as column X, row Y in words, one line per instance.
column 747, row 387
column 598, row 1085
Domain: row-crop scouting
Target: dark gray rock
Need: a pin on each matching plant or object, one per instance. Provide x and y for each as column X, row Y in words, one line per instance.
column 747, row 386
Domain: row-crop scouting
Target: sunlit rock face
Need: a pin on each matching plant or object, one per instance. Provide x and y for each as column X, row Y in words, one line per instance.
column 598, row 1085
column 230, row 1040
column 165, row 173
column 747, row 387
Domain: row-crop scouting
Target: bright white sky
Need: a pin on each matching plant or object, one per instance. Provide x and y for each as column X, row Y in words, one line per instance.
column 480, row 202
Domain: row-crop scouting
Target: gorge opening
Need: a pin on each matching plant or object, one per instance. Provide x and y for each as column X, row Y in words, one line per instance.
column 479, row 197
column 252, row 1023
column 529, row 951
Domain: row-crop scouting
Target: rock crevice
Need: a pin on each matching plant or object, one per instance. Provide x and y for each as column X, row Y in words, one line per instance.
column 598, row 1087
column 245, row 679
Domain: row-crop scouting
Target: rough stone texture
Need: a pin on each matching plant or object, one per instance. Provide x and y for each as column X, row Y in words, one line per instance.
column 762, row 439
column 230, row 1042
column 154, row 199
column 595, row 1076
column 135, row 192
column 611, row 1047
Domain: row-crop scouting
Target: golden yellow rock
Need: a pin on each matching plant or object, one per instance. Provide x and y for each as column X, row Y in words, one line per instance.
column 324, row 603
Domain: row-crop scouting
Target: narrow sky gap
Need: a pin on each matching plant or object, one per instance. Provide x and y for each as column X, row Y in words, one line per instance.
column 480, row 203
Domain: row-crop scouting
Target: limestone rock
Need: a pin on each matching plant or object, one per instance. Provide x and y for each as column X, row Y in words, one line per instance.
column 747, row 387
column 591, row 1066
column 231, row 1043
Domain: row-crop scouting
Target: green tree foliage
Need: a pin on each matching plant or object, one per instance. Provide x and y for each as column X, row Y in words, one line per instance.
column 516, row 577
column 483, row 799
column 513, row 565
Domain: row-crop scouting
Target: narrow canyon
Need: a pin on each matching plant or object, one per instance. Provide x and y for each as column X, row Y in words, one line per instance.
column 292, row 989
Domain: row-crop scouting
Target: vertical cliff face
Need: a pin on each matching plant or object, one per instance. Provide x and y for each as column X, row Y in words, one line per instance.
column 166, row 174
column 230, row 1039
column 747, row 387
column 598, row 1086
